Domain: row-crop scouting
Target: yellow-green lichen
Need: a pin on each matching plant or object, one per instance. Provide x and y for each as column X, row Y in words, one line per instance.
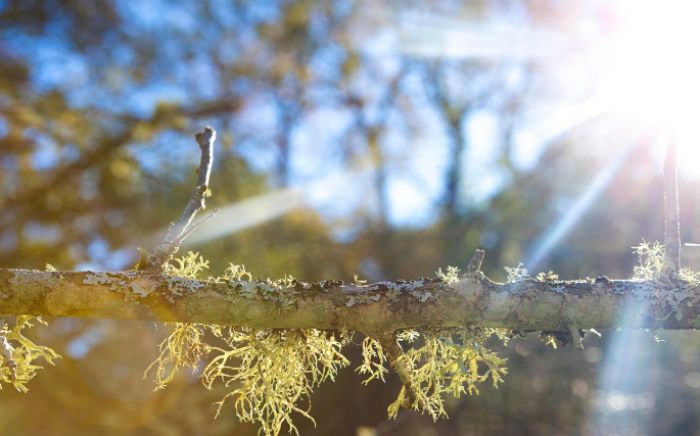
column 679, row 293
column 273, row 372
column 20, row 356
column 373, row 361
column 182, row 348
column 362, row 298
column 450, row 275
column 445, row 364
column 270, row 374
column 516, row 274
column 103, row 279
column 390, row 291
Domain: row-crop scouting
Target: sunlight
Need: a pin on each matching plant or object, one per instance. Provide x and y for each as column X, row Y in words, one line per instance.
column 646, row 69
column 228, row 220
column 434, row 36
column 245, row 214
column 651, row 71
column 554, row 235
column 626, row 396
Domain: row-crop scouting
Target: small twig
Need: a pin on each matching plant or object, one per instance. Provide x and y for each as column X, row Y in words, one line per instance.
column 395, row 353
column 672, row 237
column 576, row 339
column 474, row 267
column 184, row 226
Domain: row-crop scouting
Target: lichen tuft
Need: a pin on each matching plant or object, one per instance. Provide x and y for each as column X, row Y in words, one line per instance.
column 19, row 355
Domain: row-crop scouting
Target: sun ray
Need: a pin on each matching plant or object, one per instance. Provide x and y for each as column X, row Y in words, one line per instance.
column 551, row 238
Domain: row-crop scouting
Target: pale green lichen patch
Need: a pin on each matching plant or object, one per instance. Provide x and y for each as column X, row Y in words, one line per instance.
column 131, row 283
column 138, row 285
column 103, row 279
column 32, row 281
column 423, row 296
column 559, row 289
column 191, row 265
column 284, row 292
column 392, row 292
column 362, row 298
column 182, row 285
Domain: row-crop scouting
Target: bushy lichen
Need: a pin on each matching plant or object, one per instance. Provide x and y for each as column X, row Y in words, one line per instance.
column 19, row 356
column 550, row 276
column 236, row 272
column 183, row 348
column 269, row 372
column 651, row 267
column 191, row 265
column 651, row 260
column 450, row 275
column 651, row 263
column 445, row 364
column 515, row 274
column 373, row 361
column 272, row 372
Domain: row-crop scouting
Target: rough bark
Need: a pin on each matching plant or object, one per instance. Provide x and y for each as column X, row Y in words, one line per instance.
column 381, row 307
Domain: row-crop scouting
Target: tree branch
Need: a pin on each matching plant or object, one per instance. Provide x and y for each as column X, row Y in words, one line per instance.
column 184, row 226
column 474, row 266
column 672, row 236
column 527, row 305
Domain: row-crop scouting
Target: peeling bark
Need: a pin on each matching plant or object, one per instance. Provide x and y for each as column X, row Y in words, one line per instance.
column 381, row 307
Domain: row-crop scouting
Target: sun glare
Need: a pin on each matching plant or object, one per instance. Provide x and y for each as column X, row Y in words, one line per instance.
column 651, row 69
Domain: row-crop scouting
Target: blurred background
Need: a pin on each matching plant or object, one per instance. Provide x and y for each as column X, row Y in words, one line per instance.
column 379, row 138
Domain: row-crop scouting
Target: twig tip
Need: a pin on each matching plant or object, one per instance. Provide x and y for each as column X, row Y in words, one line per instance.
column 206, row 136
column 474, row 267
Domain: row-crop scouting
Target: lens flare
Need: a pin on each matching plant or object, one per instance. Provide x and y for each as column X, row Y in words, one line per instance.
column 650, row 70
